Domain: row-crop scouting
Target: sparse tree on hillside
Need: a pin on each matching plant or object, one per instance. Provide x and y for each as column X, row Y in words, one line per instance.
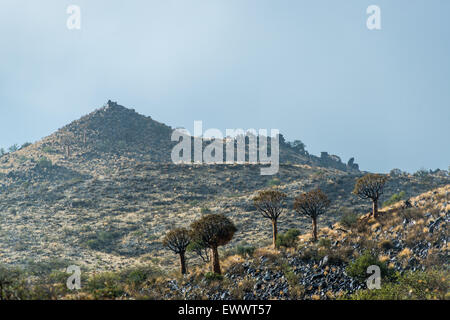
column 213, row 230
column 299, row 146
column 270, row 204
column 2, row 152
column 177, row 240
column 371, row 186
column 312, row 204
column 13, row 148
column 66, row 142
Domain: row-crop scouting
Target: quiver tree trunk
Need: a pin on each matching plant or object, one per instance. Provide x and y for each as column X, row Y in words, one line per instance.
column 375, row 208
column 215, row 260
column 274, row 233
column 183, row 262
column 314, row 229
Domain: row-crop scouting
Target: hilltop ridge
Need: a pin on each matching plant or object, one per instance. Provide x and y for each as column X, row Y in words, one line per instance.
column 114, row 131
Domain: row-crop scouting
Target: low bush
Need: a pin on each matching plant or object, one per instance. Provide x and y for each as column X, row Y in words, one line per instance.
column 324, row 243
column 349, row 218
column 288, row 239
column 105, row 285
column 138, row 276
column 205, row 210
column 396, row 197
column 418, row 285
column 245, row 250
column 273, row 182
column 102, row 240
column 44, row 163
column 211, row 276
column 358, row 268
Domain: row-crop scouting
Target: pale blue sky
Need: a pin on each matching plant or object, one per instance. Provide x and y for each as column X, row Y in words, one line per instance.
column 309, row 68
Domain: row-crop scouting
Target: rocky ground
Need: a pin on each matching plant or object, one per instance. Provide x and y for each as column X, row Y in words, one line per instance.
column 405, row 239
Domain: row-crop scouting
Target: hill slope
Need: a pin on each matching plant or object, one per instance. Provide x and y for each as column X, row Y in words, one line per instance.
column 101, row 192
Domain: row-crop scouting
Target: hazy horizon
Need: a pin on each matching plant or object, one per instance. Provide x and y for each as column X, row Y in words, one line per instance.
column 314, row 71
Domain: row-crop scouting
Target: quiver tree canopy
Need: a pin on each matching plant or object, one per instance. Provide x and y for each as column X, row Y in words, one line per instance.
column 177, row 240
column 213, row 230
column 371, row 186
column 269, row 204
column 312, row 204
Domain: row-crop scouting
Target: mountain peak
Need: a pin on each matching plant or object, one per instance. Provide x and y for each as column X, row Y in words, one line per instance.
column 113, row 106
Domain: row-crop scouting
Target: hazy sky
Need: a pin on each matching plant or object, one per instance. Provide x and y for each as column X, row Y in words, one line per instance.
column 311, row 69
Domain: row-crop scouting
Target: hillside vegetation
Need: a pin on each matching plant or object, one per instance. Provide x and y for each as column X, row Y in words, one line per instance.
column 408, row 241
column 101, row 193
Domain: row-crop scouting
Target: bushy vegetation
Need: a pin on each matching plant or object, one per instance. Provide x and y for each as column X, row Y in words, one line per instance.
column 348, row 218
column 418, row 285
column 205, row 210
column 44, row 163
column 48, row 149
column 288, row 239
column 211, row 231
column 26, row 144
column 396, row 197
column 102, row 239
column 245, row 250
column 358, row 268
column 212, row 276
column 13, row 148
column 273, row 182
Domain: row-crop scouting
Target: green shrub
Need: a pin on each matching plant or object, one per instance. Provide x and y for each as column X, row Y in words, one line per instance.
column 205, row 210
column 13, row 148
column 418, row 285
column 137, row 276
column 102, row 239
column 22, row 159
column 324, row 242
column 245, row 250
column 349, row 218
column 211, row 276
column 12, row 284
column 105, row 285
column 273, row 182
column 288, row 239
column 26, row 144
column 44, row 163
column 358, row 268
column 396, row 197
column 46, row 267
column 48, row 149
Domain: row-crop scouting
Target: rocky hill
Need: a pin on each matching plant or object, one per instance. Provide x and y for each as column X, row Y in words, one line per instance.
column 114, row 133
column 101, row 192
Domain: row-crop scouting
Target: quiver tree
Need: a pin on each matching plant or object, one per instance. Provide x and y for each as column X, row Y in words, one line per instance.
column 67, row 141
column 212, row 231
column 371, row 186
column 177, row 240
column 270, row 204
column 312, row 204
